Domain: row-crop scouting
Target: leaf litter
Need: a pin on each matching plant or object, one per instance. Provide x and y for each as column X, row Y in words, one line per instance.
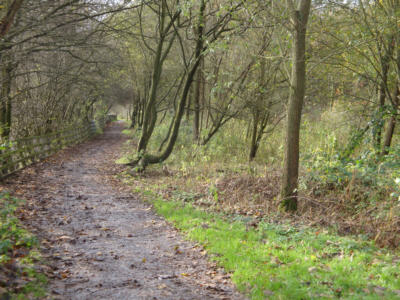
column 101, row 241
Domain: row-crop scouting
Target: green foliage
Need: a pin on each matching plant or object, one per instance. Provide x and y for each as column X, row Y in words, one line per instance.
column 185, row 196
column 376, row 175
column 10, row 232
column 214, row 193
column 231, row 139
column 128, row 132
column 282, row 262
column 325, row 164
column 14, row 236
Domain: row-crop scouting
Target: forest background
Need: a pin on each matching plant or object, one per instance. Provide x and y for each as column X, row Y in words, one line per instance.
column 279, row 114
column 285, row 109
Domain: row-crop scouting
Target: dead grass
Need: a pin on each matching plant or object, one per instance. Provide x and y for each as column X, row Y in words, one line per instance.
column 258, row 196
column 254, row 191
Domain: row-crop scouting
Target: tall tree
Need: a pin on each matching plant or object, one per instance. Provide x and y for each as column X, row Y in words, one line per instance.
column 165, row 26
column 299, row 17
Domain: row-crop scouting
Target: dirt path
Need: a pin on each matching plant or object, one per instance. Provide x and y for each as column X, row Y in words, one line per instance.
column 100, row 240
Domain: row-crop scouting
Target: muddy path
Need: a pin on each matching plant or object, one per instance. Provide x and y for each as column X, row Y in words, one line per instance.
column 99, row 240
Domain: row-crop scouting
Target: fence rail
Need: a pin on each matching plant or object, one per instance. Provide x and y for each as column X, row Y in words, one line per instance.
column 18, row 154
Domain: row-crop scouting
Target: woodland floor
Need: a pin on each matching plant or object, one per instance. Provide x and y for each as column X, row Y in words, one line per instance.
column 99, row 240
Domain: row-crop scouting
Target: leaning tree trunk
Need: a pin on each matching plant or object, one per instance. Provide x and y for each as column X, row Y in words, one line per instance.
column 7, row 20
column 150, row 113
column 297, row 91
column 153, row 159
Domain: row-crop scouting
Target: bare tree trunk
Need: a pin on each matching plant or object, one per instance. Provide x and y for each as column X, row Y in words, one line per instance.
column 389, row 135
column 150, row 113
column 5, row 23
column 5, row 110
column 392, row 123
column 153, row 159
column 296, row 99
column 202, row 96
column 135, row 112
column 141, row 114
column 196, row 106
column 259, row 133
column 189, row 104
column 395, row 102
column 150, row 159
column 257, row 111
column 197, row 101
column 253, row 142
column 385, row 64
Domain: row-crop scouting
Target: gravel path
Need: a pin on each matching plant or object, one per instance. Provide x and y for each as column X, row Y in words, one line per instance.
column 100, row 240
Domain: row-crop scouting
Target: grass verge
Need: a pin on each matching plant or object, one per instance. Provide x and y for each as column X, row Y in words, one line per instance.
column 356, row 195
column 299, row 256
column 19, row 278
column 278, row 261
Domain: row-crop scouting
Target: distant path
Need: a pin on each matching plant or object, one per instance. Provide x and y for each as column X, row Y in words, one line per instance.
column 100, row 240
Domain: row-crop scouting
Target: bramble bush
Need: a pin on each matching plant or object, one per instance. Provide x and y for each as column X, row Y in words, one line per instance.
column 326, row 168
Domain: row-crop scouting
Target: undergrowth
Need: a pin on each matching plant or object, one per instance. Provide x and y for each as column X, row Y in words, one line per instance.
column 355, row 194
column 18, row 255
column 334, row 247
column 279, row 261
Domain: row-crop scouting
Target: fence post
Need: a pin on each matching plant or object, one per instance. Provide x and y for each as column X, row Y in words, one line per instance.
column 17, row 154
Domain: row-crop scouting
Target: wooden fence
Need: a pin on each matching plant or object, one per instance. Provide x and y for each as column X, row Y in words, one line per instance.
column 17, row 154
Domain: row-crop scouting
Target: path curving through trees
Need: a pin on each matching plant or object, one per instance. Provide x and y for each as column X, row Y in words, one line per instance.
column 100, row 240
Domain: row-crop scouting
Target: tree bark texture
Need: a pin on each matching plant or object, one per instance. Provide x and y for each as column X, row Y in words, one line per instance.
column 7, row 20
column 385, row 64
column 5, row 108
column 296, row 98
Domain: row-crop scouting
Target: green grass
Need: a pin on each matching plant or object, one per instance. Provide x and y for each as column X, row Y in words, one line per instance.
column 128, row 132
column 352, row 186
column 282, row 262
column 18, row 255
